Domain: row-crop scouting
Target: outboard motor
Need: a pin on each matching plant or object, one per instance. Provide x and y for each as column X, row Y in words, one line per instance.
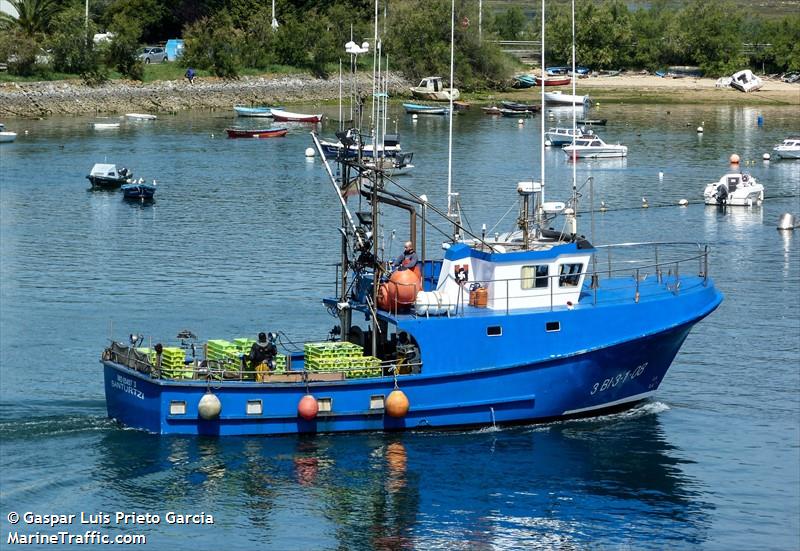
column 722, row 194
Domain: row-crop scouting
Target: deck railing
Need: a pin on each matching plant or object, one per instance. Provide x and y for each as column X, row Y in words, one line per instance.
column 659, row 259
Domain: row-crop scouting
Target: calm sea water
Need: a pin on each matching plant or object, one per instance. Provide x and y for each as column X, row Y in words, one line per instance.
column 241, row 239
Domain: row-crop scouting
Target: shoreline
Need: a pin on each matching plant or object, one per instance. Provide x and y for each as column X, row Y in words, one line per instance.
column 42, row 99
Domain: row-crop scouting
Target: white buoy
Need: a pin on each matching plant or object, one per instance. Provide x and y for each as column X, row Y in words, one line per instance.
column 699, row 129
column 209, row 406
column 548, row 143
column 683, row 202
column 414, row 117
column 212, row 135
column 26, row 132
column 787, row 221
column 310, row 152
column 660, row 175
column 521, row 122
column 766, row 156
column 603, row 207
column 644, row 203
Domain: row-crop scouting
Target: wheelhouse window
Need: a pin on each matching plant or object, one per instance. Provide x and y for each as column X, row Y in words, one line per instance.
column 570, row 275
column 535, row 277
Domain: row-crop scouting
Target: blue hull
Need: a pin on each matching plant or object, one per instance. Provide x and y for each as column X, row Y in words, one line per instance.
column 576, row 385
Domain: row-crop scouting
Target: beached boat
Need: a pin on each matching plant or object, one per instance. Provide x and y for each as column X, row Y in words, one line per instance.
column 433, row 89
column 420, row 109
column 789, row 148
column 554, row 81
column 559, row 98
column 287, row 116
column 256, row 132
column 746, row 81
column 594, row 147
column 524, row 81
column 139, row 191
column 108, row 176
column 242, row 111
column 7, row 136
column 736, row 189
column 140, row 116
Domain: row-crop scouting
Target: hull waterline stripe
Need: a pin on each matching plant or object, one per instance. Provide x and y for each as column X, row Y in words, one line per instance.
column 635, row 398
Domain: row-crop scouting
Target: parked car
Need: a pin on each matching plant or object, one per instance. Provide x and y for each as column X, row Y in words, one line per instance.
column 153, row 54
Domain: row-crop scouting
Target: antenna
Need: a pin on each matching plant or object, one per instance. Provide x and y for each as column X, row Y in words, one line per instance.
column 450, row 213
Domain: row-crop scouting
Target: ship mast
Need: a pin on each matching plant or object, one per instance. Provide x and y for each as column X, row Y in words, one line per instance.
column 450, row 206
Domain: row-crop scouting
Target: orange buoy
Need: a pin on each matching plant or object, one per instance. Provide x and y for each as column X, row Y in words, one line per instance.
column 308, row 407
column 387, row 296
column 734, row 159
column 407, row 285
column 396, row 404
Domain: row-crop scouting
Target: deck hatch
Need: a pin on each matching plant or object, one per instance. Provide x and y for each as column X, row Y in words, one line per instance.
column 254, row 407
column 177, row 407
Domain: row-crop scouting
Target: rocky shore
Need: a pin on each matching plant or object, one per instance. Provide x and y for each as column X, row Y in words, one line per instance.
column 42, row 99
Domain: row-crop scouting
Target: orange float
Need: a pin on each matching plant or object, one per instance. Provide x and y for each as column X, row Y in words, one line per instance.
column 396, row 404
column 308, row 407
column 400, row 292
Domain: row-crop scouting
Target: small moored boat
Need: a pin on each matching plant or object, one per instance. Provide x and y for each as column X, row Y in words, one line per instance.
column 140, row 191
column 420, row 109
column 108, row 176
column 789, row 148
column 140, row 116
column 592, row 122
column 559, row 98
column 263, row 111
column 105, row 125
column 517, row 106
column 558, row 136
column 287, row 116
column 256, row 132
column 554, row 81
column 6, row 136
column 492, row 110
column 593, row 147
column 736, row 189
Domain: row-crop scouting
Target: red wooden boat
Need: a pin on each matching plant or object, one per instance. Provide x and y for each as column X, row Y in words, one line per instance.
column 256, row 132
column 553, row 81
column 287, row 116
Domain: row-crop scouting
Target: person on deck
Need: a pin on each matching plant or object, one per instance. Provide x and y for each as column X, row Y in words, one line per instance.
column 263, row 351
column 407, row 260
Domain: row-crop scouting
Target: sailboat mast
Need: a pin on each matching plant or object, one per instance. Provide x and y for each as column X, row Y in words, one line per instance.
column 543, row 115
column 450, row 213
column 374, row 64
column 574, row 116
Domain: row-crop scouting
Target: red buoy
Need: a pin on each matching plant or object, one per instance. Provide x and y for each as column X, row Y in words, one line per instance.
column 308, row 407
column 396, row 404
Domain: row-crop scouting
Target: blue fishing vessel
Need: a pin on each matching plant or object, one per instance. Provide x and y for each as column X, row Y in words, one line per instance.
column 530, row 325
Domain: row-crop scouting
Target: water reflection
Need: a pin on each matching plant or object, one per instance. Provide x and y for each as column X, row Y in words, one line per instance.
column 472, row 489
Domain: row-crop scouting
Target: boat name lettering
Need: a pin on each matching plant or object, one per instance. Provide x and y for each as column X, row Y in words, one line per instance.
column 618, row 379
column 127, row 385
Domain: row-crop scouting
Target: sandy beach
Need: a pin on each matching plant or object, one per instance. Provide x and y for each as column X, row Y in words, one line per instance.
column 42, row 99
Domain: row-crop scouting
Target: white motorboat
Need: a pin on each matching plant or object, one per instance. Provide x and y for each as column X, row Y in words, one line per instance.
column 593, row 147
column 6, row 137
column 105, row 125
column 789, row 148
column 559, row 98
column 559, row 136
column 735, row 189
column 746, row 81
column 140, row 116
column 433, row 89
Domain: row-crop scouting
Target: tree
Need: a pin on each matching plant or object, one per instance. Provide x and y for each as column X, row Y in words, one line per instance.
column 510, row 24
column 210, row 43
column 34, row 16
column 122, row 52
column 71, row 42
column 709, row 34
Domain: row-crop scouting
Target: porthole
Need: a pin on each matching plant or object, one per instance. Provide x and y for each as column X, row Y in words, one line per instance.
column 552, row 326
column 255, row 407
column 177, row 407
column 494, row 331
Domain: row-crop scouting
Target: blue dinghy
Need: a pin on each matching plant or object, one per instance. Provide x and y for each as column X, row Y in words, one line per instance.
column 420, row 109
